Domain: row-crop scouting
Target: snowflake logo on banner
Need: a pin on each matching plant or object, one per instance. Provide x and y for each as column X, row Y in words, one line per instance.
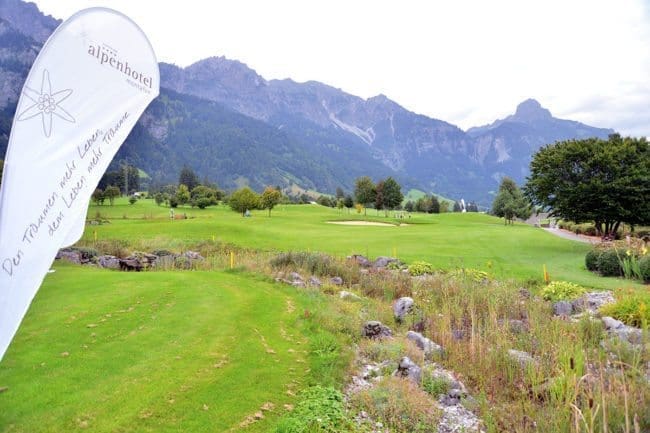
column 46, row 104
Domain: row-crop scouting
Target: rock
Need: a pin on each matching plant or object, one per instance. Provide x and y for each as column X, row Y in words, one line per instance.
column 299, row 284
column 337, row 281
column 108, row 262
column 453, row 397
column 517, row 326
column 429, row 348
column 618, row 329
column 592, row 301
column 130, row 264
column 456, row 419
column 349, row 296
column 376, row 330
column 168, row 261
column 295, row 276
column 193, row 255
column 69, row 255
column 562, row 308
column 138, row 261
column 402, row 307
column 187, row 260
column 612, row 324
column 314, row 282
column 524, row 359
column 408, row 369
column 382, row 262
column 360, row 260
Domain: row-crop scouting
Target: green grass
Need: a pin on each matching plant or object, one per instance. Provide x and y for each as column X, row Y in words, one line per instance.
column 155, row 352
column 447, row 240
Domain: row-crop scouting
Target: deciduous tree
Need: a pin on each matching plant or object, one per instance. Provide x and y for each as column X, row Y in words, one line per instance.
column 510, row 202
column 364, row 191
column 604, row 181
column 270, row 198
column 243, row 199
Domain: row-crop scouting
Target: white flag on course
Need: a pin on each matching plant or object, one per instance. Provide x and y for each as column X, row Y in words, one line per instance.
column 87, row 88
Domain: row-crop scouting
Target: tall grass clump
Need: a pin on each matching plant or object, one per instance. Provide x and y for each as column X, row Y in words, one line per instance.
column 314, row 263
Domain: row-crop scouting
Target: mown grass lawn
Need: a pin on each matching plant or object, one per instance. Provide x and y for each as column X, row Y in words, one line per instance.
column 106, row 351
column 447, row 240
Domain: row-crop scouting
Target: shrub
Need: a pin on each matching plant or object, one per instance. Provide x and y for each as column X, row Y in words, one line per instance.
column 475, row 275
column 420, row 268
column 400, row 404
column 644, row 268
column 633, row 309
column 320, row 410
column 434, row 386
column 609, row 264
column 562, row 291
column 591, row 260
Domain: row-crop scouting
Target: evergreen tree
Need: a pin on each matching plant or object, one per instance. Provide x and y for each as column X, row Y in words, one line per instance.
column 188, row 178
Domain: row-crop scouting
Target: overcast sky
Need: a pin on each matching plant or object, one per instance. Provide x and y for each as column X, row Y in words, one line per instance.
column 468, row 62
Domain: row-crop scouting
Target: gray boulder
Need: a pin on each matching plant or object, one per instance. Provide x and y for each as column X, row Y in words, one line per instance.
column 409, row 370
column 193, row 255
column 349, row 296
column 70, row 255
column 620, row 330
column 592, row 301
column 295, row 276
column 360, row 260
column 524, row 359
column 381, row 262
column 337, row 281
column 376, row 330
column 562, row 308
column 402, row 307
column 314, row 282
column 108, row 262
column 517, row 326
column 429, row 348
column 612, row 324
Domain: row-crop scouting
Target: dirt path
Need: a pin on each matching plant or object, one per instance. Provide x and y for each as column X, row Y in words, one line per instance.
column 573, row 237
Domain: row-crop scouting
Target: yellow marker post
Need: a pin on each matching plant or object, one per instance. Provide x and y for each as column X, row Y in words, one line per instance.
column 545, row 274
column 213, row 238
column 232, row 259
column 95, row 235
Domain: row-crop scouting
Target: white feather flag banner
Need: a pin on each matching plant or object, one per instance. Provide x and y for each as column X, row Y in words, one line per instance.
column 87, row 88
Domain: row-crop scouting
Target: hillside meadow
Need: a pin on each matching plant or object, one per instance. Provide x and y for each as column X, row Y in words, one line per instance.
column 448, row 241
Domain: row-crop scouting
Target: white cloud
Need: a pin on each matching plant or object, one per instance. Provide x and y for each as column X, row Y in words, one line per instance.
column 466, row 62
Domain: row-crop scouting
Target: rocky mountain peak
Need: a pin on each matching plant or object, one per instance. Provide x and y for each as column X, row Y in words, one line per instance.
column 28, row 19
column 529, row 111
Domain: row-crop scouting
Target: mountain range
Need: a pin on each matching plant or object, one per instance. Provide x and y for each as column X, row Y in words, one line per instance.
column 234, row 127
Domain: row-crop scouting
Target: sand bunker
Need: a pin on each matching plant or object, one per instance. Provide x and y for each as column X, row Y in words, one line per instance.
column 363, row 223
